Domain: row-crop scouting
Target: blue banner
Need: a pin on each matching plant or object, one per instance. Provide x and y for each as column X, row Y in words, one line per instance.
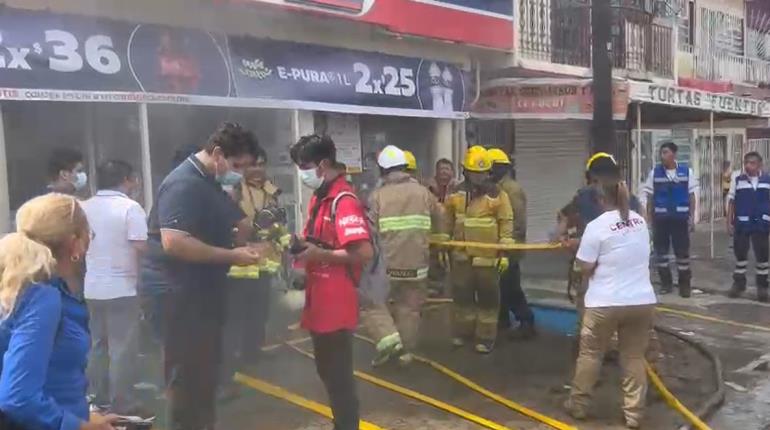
column 91, row 59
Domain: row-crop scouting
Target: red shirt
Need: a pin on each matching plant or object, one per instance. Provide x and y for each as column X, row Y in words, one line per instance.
column 331, row 297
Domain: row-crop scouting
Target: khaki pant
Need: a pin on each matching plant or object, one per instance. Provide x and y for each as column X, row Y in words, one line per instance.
column 632, row 324
column 401, row 314
column 476, row 297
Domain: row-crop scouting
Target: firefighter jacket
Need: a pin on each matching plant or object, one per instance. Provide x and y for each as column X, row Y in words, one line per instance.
column 252, row 200
column 518, row 204
column 484, row 219
column 406, row 214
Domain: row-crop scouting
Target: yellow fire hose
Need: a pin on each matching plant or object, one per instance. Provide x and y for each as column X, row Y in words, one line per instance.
column 672, row 401
column 419, row 397
column 496, row 246
column 486, row 393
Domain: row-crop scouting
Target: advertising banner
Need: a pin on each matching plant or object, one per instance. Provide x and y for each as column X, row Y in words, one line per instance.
column 69, row 58
column 545, row 98
column 484, row 23
column 696, row 99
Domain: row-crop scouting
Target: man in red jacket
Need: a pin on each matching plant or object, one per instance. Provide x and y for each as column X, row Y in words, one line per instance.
column 335, row 247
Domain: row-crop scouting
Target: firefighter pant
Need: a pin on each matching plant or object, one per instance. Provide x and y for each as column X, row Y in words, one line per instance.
column 246, row 314
column 334, row 363
column 512, row 297
column 476, row 301
column 401, row 314
column 668, row 233
column 633, row 324
column 742, row 242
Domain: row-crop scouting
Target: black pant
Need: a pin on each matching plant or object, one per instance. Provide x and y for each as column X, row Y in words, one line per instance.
column 192, row 354
column 246, row 315
column 668, row 232
column 742, row 242
column 334, row 363
column 512, row 297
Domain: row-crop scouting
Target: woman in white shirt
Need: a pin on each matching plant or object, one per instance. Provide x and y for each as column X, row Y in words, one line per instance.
column 614, row 257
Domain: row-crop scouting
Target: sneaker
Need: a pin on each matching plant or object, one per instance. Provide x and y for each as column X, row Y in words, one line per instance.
column 525, row 331
column 485, row 347
column 387, row 348
column 573, row 411
column 458, row 342
column 632, row 423
column 406, row 359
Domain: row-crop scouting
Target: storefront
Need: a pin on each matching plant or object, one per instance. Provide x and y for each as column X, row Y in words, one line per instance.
column 545, row 124
column 136, row 92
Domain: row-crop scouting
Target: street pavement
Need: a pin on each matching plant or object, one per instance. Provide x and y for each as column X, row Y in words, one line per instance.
column 744, row 352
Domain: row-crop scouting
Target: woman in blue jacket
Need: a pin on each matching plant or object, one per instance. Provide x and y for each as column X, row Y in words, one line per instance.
column 44, row 338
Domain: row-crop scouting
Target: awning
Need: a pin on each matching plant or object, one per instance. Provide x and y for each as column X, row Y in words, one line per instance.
column 691, row 98
column 544, row 98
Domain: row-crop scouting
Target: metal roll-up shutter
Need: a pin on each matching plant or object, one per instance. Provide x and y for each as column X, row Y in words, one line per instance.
column 550, row 163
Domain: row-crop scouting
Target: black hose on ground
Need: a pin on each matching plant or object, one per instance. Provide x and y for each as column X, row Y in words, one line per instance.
column 713, row 403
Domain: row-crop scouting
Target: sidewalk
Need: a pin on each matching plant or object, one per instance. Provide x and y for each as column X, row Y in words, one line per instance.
column 548, row 269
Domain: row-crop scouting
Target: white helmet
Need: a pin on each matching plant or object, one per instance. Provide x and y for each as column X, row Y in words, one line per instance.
column 390, row 157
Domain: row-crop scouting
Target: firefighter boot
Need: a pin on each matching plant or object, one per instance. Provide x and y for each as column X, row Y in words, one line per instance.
column 684, row 283
column 666, row 280
column 739, row 286
column 762, row 286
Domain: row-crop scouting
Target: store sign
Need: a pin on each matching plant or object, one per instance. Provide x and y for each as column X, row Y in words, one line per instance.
column 486, row 23
column 68, row 58
column 545, row 99
column 697, row 99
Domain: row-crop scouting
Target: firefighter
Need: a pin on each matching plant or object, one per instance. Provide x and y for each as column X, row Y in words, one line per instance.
column 512, row 297
column 411, row 164
column 671, row 188
column 480, row 213
column 405, row 214
column 748, row 220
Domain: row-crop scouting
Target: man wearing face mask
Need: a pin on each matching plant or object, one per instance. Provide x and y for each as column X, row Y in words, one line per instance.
column 66, row 173
column 120, row 235
column 190, row 250
column 336, row 244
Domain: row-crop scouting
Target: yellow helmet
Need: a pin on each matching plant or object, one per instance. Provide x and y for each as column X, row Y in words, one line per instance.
column 498, row 156
column 477, row 160
column 411, row 162
column 597, row 156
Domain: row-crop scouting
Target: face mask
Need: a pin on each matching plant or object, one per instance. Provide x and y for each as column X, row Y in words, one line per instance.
column 229, row 178
column 310, row 178
column 80, row 180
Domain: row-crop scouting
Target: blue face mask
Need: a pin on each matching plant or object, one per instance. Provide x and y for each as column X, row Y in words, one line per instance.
column 229, row 178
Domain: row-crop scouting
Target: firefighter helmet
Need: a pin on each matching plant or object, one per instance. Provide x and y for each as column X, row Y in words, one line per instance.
column 498, row 156
column 477, row 160
column 390, row 157
column 411, row 162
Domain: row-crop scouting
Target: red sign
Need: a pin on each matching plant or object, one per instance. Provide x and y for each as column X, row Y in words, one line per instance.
column 484, row 23
column 545, row 99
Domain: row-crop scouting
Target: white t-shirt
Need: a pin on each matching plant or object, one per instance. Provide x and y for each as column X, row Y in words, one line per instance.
column 112, row 262
column 622, row 253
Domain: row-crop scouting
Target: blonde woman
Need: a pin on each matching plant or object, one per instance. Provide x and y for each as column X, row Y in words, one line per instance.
column 44, row 337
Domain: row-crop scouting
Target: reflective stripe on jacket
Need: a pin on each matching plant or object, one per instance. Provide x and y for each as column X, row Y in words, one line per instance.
column 484, row 219
column 405, row 212
column 752, row 206
column 672, row 196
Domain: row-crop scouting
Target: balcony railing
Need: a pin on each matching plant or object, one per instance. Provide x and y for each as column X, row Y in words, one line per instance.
column 717, row 65
column 559, row 32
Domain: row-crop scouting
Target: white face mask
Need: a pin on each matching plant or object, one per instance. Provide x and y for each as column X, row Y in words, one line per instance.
column 310, row 178
column 80, row 180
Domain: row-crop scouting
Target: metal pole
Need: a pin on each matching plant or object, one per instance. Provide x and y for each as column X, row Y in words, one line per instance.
column 638, row 150
column 144, row 142
column 603, row 125
column 713, row 182
column 5, row 197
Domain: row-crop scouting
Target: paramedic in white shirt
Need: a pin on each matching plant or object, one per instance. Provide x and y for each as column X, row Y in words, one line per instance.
column 119, row 228
column 614, row 258
column 671, row 191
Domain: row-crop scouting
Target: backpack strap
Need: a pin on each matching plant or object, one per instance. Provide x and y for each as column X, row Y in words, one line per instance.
column 336, row 202
column 372, row 239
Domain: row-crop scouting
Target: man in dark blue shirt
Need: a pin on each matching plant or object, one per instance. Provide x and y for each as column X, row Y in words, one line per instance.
column 192, row 230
